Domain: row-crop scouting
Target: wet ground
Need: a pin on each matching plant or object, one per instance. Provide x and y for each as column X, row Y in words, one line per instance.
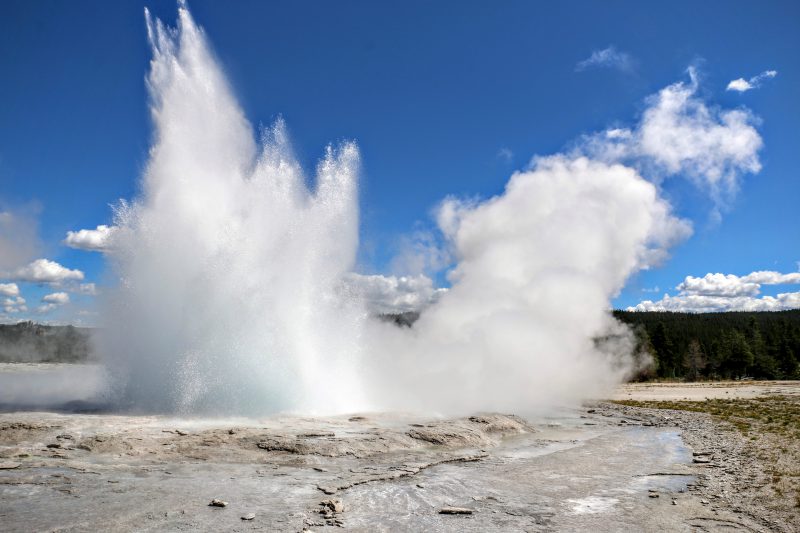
column 389, row 473
column 603, row 467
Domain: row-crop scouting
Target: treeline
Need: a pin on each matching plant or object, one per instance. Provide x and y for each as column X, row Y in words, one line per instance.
column 27, row 342
column 761, row 345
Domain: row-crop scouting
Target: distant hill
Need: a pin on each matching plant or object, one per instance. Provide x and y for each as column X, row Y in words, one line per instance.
column 27, row 342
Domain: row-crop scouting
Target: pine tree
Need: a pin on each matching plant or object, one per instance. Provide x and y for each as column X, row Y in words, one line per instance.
column 694, row 360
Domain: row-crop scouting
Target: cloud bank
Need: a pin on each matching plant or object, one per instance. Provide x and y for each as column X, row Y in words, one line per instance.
column 721, row 292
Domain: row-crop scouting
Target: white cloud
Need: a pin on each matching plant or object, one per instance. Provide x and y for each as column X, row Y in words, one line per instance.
column 679, row 134
column 694, row 303
column 742, row 85
column 769, row 277
column 58, row 298
column 393, row 294
column 720, row 292
column 9, row 289
column 96, row 240
column 45, row 271
column 608, row 57
column 718, row 285
column 14, row 305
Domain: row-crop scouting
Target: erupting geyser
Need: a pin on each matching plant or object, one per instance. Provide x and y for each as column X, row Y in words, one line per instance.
column 233, row 294
column 228, row 264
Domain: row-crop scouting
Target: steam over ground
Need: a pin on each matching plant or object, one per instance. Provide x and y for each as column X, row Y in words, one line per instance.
column 236, row 290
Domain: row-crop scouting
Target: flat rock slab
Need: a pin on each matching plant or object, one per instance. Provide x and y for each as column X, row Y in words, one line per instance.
column 455, row 510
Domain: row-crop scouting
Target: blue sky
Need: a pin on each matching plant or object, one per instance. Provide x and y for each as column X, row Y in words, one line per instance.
column 444, row 98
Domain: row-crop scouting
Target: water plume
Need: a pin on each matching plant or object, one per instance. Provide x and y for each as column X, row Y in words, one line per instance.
column 228, row 263
column 235, row 278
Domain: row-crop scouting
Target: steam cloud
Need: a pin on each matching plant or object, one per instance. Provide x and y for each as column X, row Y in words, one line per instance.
column 234, row 275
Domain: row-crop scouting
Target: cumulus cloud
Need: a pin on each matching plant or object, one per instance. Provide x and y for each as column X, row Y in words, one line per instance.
column 742, row 85
column 718, row 285
column 45, row 271
column 393, row 294
column 58, row 298
column 95, row 240
column 9, row 289
column 721, row 292
column 608, row 57
column 769, row 277
column 14, row 305
column 679, row 134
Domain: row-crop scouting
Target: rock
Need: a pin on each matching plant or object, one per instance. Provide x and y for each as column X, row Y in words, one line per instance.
column 320, row 469
column 674, row 502
column 653, row 495
column 232, row 431
column 701, row 460
column 5, row 465
column 181, row 432
column 316, row 434
column 455, row 510
column 356, row 418
column 249, row 516
column 333, row 505
column 54, row 445
column 327, row 490
column 64, row 436
column 280, row 443
column 217, row 503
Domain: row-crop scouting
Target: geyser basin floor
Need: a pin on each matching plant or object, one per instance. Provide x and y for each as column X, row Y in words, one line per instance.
column 587, row 470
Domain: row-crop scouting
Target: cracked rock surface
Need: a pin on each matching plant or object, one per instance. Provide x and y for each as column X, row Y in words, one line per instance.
column 590, row 469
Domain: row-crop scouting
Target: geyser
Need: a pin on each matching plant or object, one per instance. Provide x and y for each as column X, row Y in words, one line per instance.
column 228, row 264
column 233, row 273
